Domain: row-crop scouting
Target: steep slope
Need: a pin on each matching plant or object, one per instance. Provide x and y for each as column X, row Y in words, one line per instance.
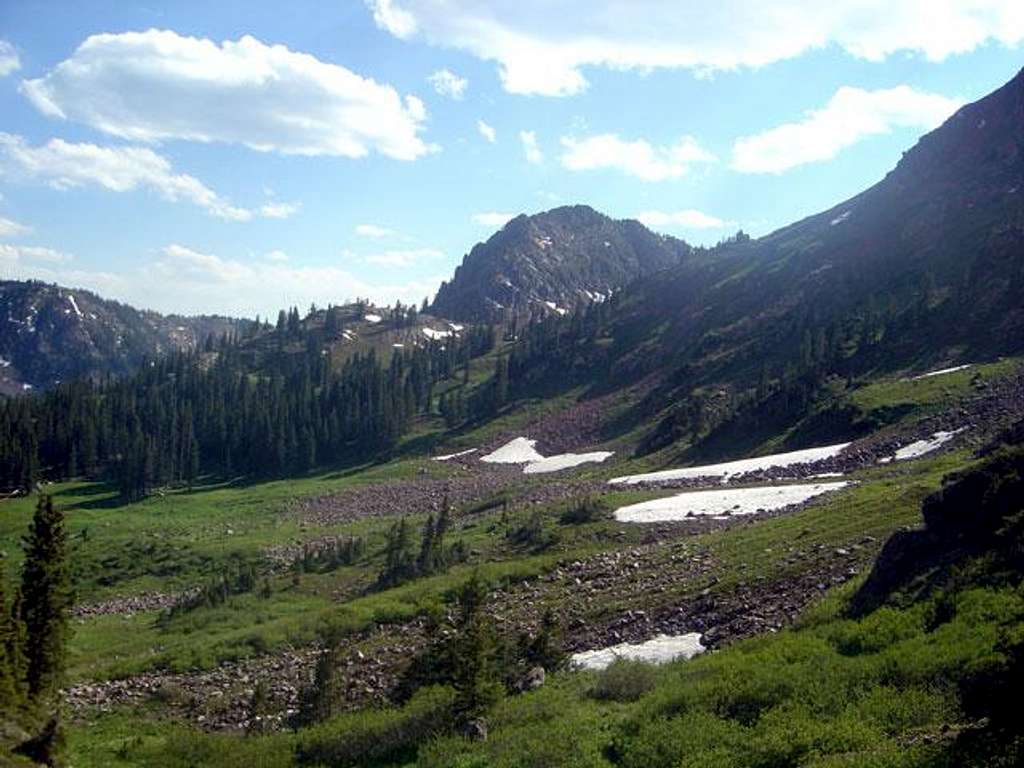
column 932, row 257
column 922, row 269
column 553, row 261
column 50, row 334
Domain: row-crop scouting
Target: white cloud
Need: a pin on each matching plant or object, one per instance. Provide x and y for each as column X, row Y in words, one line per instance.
column 279, row 210
column 375, row 231
column 533, row 153
column 17, row 253
column 637, row 158
column 156, row 85
column 11, row 228
column 851, row 114
column 184, row 280
column 494, row 219
column 447, row 83
column 487, row 131
column 276, row 255
column 9, row 61
column 401, row 258
column 542, row 47
column 684, row 219
column 64, row 165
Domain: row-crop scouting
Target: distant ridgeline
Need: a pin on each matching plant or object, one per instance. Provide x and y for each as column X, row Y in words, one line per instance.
column 228, row 411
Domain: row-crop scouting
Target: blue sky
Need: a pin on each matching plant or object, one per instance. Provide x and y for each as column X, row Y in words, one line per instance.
column 230, row 157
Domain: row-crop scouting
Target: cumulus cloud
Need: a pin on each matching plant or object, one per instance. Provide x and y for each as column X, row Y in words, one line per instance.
column 191, row 280
column 487, row 131
column 9, row 61
column 183, row 279
column 447, row 83
column 542, row 47
column 636, row 158
column 279, row 210
column 156, row 85
column 374, row 230
column 495, row 219
column 851, row 115
column 530, row 147
column 64, row 165
column 32, row 253
column 11, row 228
column 402, row 258
column 688, row 218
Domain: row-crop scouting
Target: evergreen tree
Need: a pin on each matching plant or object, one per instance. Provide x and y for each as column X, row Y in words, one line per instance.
column 46, row 600
column 474, row 670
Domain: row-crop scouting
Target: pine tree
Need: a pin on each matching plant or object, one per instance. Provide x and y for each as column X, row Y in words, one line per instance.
column 474, row 674
column 46, row 600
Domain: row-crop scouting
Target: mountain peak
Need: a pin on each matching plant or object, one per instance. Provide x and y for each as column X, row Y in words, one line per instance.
column 552, row 261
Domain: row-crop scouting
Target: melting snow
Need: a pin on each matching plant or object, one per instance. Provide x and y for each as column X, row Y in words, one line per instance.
column 740, row 467
column 659, row 650
column 840, row 218
column 518, row 451
column 430, row 333
column 5, row 363
column 74, row 305
column 565, row 461
column 922, row 447
column 455, row 327
column 448, row 456
column 721, row 504
column 372, row 318
column 398, row 346
column 942, row 371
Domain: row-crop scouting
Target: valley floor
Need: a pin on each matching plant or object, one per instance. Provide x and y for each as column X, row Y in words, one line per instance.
column 765, row 588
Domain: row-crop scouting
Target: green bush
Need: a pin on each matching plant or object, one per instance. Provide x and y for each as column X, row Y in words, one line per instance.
column 375, row 736
column 623, row 680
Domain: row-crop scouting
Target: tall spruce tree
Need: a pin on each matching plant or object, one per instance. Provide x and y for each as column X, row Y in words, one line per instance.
column 46, row 599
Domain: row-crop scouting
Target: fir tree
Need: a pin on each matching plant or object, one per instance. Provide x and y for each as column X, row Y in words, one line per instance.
column 46, row 600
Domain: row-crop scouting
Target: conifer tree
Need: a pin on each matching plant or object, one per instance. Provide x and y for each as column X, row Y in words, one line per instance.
column 474, row 674
column 46, row 600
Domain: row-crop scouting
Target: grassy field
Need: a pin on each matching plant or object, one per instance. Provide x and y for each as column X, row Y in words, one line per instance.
column 175, row 541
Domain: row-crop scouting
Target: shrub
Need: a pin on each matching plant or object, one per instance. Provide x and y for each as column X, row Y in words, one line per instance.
column 586, row 509
column 379, row 736
column 623, row 680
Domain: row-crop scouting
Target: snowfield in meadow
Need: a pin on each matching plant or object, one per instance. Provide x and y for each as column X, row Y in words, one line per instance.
column 448, row 456
column 658, row 650
column 741, row 467
column 565, row 461
column 522, row 450
column 941, row 372
column 518, row 451
column 922, row 447
column 722, row 504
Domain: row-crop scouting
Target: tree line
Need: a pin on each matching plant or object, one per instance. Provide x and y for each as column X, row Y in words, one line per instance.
column 226, row 414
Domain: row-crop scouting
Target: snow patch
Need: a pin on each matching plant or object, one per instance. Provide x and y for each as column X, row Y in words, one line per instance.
column 840, row 218
column 4, row 362
column 941, row 372
column 430, row 333
column 518, row 451
column 372, row 318
column 920, row 448
column 74, row 305
column 398, row 346
column 743, row 466
column 658, row 650
column 448, row 456
column 722, row 504
column 455, row 327
column 565, row 461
